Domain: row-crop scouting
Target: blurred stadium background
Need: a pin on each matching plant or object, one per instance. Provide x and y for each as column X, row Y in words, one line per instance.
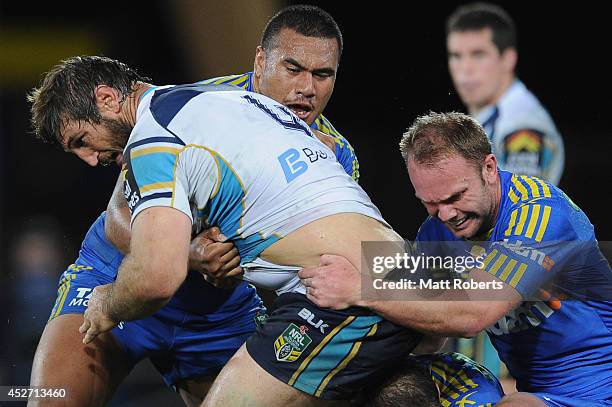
column 393, row 69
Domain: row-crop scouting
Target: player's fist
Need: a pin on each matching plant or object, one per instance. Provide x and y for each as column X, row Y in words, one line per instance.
column 216, row 259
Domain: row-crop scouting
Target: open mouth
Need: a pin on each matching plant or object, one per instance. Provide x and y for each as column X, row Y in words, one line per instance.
column 457, row 223
column 301, row 110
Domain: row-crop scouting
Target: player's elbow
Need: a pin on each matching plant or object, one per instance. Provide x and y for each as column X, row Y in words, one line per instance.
column 159, row 293
column 469, row 331
column 472, row 325
column 161, row 284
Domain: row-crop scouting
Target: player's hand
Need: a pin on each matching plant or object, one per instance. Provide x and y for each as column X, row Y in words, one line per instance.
column 216, row 259
column 96, row 317
column 335, row 283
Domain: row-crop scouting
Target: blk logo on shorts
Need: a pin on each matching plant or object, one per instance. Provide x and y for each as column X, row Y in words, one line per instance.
column 310, row 317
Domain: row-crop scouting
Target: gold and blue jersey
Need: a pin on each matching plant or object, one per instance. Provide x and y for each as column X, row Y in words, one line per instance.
column 461, row 381
column 558, row 340
column 237, row 160
column 345, row 154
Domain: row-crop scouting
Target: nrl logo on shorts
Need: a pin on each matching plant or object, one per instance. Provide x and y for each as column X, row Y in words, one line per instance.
column 291, row 343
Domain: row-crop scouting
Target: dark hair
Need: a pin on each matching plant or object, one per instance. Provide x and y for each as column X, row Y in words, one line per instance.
column 309, row 21
column 67, row 93
column 440, row 135
column 476, row 16
column 411, row 385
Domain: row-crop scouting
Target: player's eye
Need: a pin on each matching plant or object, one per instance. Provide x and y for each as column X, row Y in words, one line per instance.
column 79, row 142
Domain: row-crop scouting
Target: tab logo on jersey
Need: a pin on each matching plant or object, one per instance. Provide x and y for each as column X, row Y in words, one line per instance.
column 289, row 346
column 82, row 297
column 309, row 317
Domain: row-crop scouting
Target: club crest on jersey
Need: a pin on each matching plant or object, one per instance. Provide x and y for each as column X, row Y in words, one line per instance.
column 289, row 346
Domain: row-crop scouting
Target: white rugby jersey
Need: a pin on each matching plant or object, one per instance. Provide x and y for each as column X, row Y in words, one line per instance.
column 524, row 137
column 237, row 160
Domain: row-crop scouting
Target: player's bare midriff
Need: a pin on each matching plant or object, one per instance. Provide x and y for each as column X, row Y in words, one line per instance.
column 339, row 234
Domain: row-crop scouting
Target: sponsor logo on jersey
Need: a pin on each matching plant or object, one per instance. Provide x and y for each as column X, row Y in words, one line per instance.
column 82, row 297
column 289, row 346
column 260, row 319
column 534, row 255
column 130, row 190
column 527, row 315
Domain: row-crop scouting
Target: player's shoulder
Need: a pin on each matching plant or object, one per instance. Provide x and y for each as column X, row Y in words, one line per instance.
column 243, row 80
column 159, row 108
column 521, row 110
column 534, row 209
column 324, row 125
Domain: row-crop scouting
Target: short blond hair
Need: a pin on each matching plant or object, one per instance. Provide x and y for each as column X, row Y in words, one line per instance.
column 435, row 136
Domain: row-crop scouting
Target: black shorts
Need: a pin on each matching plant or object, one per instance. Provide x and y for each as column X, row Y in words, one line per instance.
column 326, row 353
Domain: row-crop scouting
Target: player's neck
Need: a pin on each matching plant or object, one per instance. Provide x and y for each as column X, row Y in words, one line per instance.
column 497, row 199
column 255, row 83
column 130, row 105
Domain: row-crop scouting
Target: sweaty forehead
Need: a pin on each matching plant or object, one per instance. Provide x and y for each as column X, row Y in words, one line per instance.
column 312, row 50
column 437, row 182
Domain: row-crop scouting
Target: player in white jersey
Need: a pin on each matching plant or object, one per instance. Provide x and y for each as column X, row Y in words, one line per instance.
column 482, row 55
column 246, row 164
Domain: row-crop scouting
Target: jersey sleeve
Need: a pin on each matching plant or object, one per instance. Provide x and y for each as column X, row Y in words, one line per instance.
column 242, row 80
column 345, row 154
column 162, row 172
column 538, row 241
column 533, row 152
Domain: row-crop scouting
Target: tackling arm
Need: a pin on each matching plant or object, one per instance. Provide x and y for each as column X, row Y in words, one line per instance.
column 156, row 266
column 336, row 283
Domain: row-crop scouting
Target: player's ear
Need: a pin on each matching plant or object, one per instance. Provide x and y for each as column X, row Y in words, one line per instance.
column 108, row 99
column 260, row 61
column 489, row 169
column 509, row 59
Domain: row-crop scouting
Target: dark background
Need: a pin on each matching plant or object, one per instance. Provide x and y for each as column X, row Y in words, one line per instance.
column 393, row 68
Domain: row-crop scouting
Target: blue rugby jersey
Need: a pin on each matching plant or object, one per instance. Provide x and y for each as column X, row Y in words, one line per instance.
column 544, row 246
column 98, row 255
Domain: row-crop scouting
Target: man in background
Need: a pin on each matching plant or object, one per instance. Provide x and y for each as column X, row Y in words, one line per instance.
column 481, row 42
